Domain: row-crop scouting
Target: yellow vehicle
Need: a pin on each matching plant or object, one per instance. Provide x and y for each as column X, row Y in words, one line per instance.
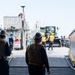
column 47, row 30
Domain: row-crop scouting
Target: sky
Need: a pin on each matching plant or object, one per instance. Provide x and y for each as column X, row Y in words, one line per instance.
column 59, row 13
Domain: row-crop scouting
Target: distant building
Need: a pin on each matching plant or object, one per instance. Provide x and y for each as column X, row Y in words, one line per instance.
column 12, row 22
column 18, row 27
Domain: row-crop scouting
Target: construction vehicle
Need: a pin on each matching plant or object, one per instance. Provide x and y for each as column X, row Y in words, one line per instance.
column 47, row 30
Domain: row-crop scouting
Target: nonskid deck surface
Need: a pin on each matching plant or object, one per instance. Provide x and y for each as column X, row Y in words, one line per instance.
column 58, row 66
column 57, row 62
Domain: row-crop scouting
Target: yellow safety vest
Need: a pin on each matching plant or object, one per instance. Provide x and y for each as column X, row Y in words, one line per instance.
column 51, row 38
column 43, row 39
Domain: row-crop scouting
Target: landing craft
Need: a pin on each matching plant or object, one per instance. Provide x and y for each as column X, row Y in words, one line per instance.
column 72, row 47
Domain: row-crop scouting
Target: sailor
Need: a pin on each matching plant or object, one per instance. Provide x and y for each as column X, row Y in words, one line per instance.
column 4, row 52
column 36, row 57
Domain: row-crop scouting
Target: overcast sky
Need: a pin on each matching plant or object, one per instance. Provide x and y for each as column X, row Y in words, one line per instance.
column 60, row 13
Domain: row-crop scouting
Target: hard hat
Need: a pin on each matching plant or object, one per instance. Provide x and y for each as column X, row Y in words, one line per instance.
column 43, row 34
column 37, row 38
column 52, row 33
column 11, row 33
